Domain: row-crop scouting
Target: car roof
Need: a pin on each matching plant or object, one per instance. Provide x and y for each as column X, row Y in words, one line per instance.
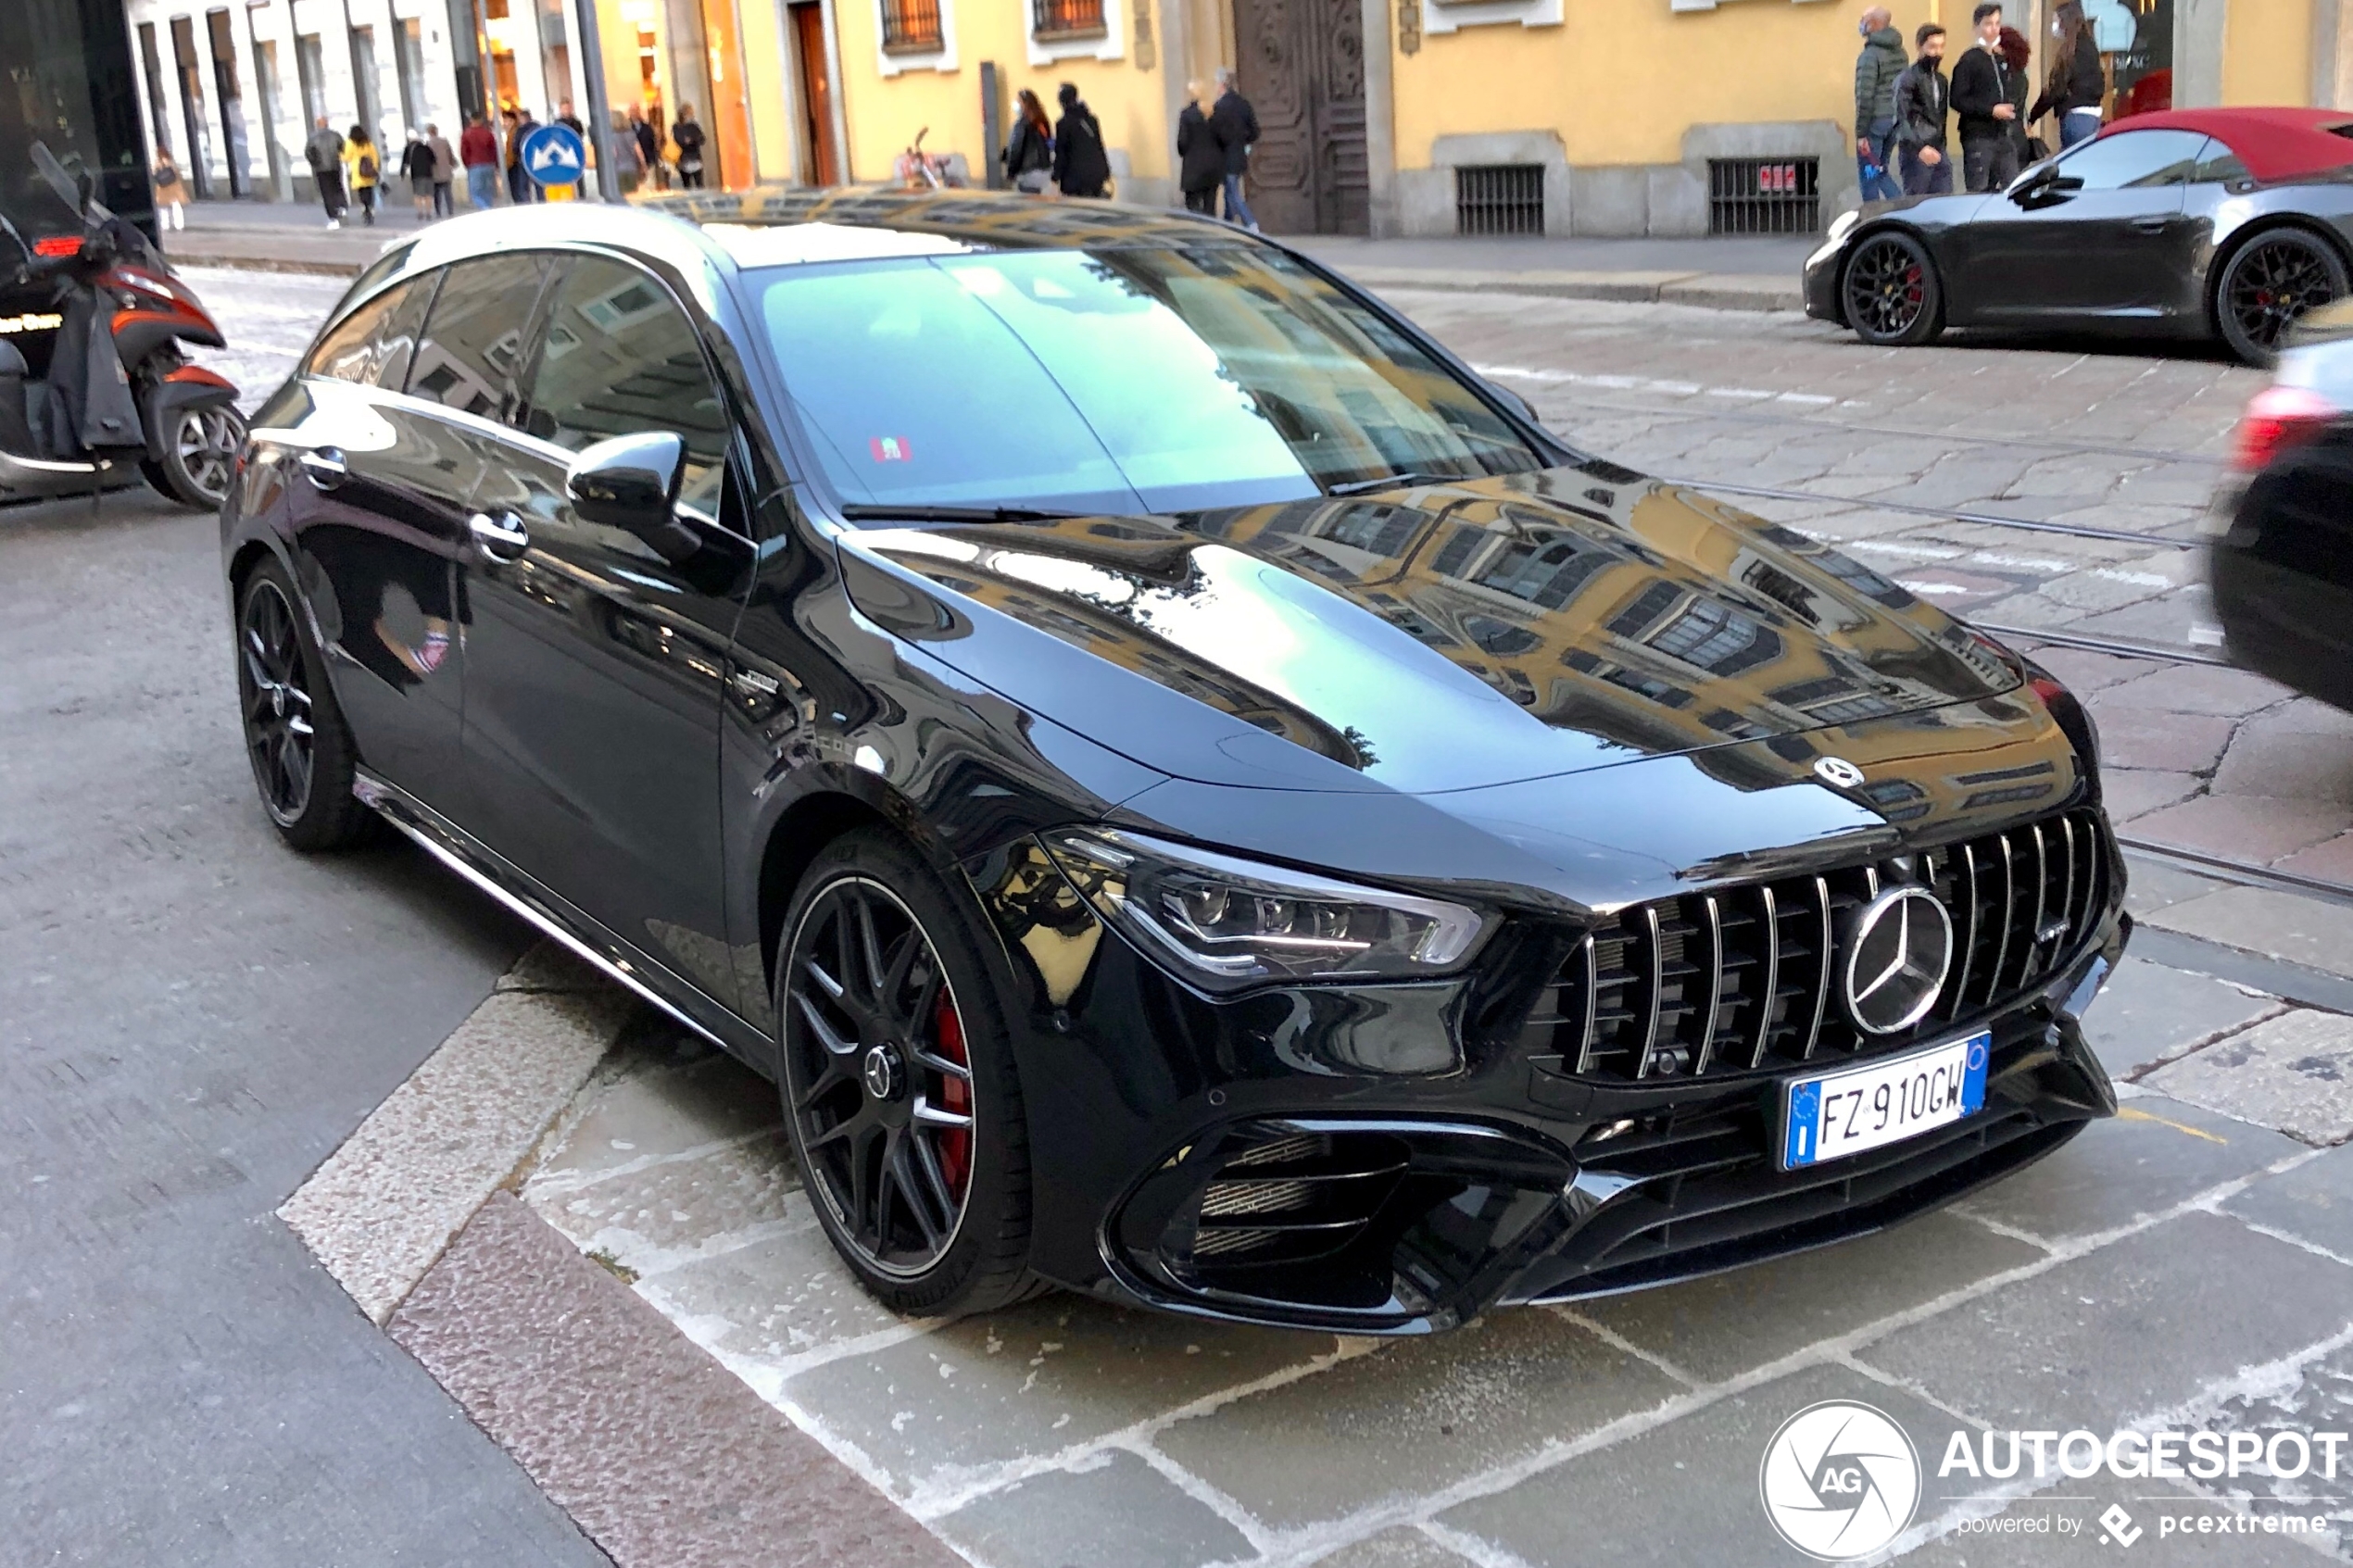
column 2274, row 143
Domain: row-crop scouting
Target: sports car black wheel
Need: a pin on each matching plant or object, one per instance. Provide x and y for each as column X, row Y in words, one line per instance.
column 1891, row 292
column 2269, row 284
column 900, row 1092
column 301, row 753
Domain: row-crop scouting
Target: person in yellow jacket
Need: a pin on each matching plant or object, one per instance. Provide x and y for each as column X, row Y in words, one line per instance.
column 362, row 166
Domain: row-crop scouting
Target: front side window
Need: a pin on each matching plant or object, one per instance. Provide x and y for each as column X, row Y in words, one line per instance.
column 1126, row 379
column 474, row 334
column 348, row 352
column 2131, row 159
column 619, row 358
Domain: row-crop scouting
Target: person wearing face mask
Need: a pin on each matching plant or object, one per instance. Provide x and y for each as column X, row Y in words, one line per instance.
column 1987, row 100
column 1876, row 68
column 2076, row 86
column 1922, row 106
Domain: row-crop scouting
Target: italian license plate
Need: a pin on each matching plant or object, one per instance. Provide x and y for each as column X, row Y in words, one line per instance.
column 1836, row 1115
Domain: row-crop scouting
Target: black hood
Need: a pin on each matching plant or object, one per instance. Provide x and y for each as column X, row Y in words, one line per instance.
column 1447, row 637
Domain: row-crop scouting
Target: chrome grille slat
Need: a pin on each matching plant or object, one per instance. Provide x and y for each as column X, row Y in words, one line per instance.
column 1629, row 999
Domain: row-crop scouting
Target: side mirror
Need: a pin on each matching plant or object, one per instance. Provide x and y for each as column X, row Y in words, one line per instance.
column 631, row 482
column 1514, row 402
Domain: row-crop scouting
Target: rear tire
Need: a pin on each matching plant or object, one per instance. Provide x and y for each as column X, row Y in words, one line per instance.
column 1889, row 291
column 2269, row 284
column 900, row 1090
column 199, row 455
column 295, row 738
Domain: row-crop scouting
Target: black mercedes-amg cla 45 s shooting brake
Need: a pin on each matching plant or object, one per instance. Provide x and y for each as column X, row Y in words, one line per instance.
column 1192, row 794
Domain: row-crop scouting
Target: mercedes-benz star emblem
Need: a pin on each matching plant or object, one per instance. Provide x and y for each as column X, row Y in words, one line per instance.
column 881, row 1072
column 1838, row 773
column 1897, row 958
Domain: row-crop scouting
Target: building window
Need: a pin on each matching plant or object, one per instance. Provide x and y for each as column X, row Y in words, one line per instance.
column 1763, row 196
column 1066, row 18
column 1497, row 198
column 910, row 26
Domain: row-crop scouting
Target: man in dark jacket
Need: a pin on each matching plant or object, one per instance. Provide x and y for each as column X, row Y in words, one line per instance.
column 324, row 152
column 1235, row 124
column 1201, row 162
column 1987, row 99
column 1922, row 104
column 1875, row 69
column 1081, row 167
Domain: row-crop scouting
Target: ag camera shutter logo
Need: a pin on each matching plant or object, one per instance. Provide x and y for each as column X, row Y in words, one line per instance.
column 1840, row 1481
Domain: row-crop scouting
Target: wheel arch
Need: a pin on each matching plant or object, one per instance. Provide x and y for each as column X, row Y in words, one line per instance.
column 2246, row 235
column 796, row 837
column 1883, row 227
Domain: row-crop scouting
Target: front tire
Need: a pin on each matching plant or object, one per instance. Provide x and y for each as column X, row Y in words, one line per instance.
column 199, row 455
column 2269, row 284
column 900, row 1090
column 295, row 738
column 1891, row 292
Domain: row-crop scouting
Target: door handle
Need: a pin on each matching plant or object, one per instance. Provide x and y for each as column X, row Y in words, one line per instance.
column 324, row 467
column 2152, row 225
column 501, row 538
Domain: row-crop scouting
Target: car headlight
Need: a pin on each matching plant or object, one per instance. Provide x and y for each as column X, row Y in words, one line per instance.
column 1225, row 924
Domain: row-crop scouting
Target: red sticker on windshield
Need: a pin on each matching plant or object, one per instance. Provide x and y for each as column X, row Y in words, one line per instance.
column 891, row 448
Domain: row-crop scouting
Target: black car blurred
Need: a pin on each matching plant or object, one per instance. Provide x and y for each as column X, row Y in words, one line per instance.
column 2282, row 565
column 2223, row 224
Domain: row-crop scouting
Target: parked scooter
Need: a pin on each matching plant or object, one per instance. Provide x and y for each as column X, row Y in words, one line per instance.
column 118, row 388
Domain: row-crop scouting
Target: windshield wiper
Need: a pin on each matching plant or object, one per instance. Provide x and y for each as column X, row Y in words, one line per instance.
column 885, row 511
column 1395, row 482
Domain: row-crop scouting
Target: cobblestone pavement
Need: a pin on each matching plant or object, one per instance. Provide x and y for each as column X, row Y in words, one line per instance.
column 2183, row 1265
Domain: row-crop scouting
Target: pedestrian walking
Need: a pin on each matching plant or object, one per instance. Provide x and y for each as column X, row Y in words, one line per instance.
column 648, row 141
column 1081, row 165
column 416, row 167
column 1235, row 124
column 171, row 198
column 520, row 187
column 689, row 138
column 570, row 121
column 1987, row 100
column 1201, row 162
column 478, row 150
column 627, row 167
column 324, row 152
column 1028, row 155
column 444, row 171
column 1923, row 105
column 362, row 171
column 1876, row 68
column 2018, row 54
column 2076, row 86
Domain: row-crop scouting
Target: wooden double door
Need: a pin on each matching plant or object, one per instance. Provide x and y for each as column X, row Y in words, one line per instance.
column 1302, row 67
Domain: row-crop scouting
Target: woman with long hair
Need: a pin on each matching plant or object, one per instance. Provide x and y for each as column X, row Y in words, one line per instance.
column 363, row 170
column 1029, row 150
column 2076, row 85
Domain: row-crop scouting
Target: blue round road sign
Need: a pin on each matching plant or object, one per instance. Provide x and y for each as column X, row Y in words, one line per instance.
column 553, row 156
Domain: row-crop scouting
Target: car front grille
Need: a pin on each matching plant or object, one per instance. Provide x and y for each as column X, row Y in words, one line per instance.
column 1294, row 1199
column 1745, row 979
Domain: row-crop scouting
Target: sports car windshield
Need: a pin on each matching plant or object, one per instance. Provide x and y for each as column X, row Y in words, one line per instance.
column 1114, row 380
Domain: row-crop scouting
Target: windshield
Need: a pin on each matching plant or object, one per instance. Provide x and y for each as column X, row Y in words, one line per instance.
column 1114, row 380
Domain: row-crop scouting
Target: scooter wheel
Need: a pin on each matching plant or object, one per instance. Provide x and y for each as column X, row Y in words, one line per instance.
column 199, row 455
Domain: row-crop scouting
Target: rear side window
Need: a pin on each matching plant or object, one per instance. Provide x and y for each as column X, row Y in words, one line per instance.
column 619, row 358
column 2219, row 164
column 474, row 334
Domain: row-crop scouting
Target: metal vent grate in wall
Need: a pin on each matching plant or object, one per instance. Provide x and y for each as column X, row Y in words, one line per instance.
column 1763, row 196
column 1499, row 198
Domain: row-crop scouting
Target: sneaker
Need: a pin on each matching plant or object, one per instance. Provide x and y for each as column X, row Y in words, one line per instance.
column 434, row 649
column 334, row 222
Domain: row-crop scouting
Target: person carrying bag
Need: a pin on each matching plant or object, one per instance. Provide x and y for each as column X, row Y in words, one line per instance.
column 1029, row 150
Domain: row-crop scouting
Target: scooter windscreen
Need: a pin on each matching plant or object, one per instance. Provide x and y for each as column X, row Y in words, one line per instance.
column 69, row 190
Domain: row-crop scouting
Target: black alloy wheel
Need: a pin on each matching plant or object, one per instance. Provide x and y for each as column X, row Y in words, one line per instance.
column 899, row 1092
column 294, row 735
column 1892, row 296
column 2269, row 284
column 199, row 455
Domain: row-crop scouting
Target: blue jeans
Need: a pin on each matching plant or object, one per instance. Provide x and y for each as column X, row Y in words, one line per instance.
column 2078, row 125
column 1885, row 187
column 1237, row 209
column 482, row 184
column 1928, row 180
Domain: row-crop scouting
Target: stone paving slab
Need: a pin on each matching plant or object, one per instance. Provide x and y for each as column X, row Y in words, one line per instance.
column 2148, row 1013
column 2311, row 931
column 1395, row 1549
column 2314, row 1201
column 2194, row 1299
column 1117, row 1511
column 2294, row 1072
column 2155, row 1153
column 1415, row 1419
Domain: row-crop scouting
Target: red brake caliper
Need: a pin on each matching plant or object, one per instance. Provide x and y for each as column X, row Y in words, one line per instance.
column 956, row 1094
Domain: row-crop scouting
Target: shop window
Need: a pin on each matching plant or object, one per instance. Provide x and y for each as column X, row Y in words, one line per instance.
column 910, row 26
column 1763, row 196
column 1066, row 18
column 1498, row 198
